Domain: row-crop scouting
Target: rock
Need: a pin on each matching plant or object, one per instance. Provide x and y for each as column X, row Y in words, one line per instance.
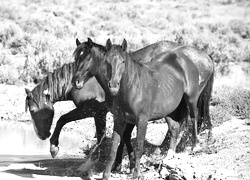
column 247, row 121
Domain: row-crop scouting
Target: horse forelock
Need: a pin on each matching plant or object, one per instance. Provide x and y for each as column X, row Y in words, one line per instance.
column 84, row 47
column 79, row 49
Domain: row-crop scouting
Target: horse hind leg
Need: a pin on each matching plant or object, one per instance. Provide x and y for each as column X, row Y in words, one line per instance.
column 174, row 128
column 175, row 123
column 193, row 109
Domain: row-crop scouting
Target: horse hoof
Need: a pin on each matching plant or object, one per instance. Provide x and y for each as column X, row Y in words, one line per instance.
column 53, row 150
column 117, row 168
column 136, row 176
column 197, row 148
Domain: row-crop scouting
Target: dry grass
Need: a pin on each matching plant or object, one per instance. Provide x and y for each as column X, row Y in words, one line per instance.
column 41, row 34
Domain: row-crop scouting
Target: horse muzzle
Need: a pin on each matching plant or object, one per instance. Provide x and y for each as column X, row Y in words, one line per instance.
column 44, row 135
column 114, row 88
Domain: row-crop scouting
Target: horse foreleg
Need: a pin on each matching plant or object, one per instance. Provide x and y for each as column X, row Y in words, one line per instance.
column 100, row 123
column 118, row 160
column 127, row 140
column 141, row 133
column 116, row 138
column 79, row 113
column 100, row 120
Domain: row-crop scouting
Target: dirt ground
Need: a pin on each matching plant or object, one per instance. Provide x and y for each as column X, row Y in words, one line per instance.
column 227, row 156
column 224, row 156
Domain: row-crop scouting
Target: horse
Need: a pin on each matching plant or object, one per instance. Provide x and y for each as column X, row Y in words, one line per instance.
column 93, row 65
column 89, row 100
column 55, row 87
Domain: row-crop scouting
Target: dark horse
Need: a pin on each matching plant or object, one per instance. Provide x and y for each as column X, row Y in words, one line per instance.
column 89, row 100
column 194, row 83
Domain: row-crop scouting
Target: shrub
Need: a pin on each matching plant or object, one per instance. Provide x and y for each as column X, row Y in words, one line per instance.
column 9, row 32
column 229, row 101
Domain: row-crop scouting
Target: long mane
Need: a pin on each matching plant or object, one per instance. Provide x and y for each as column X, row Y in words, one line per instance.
column 57, row 84
column 136, row 72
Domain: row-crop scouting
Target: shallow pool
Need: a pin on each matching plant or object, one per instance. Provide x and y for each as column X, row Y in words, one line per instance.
column 18, row 141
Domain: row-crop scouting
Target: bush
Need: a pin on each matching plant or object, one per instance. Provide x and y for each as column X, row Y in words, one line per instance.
column 228, row 101
column 240, row 103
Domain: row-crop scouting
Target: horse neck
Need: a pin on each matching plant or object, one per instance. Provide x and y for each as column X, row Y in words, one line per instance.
column 131, row 79
column 58, row 83
column 103, row 81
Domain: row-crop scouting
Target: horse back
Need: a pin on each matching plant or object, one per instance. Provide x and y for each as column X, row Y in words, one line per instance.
column 176, row 68
column 146, row 54
column 201, row 60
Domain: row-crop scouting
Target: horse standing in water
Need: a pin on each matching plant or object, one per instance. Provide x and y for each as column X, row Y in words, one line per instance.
column 93, row 65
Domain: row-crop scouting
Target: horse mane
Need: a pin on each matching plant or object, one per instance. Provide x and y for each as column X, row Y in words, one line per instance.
column 135, row 70
column 57, row 84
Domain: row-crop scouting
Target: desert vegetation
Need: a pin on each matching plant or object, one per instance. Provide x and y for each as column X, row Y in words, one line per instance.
column 38, row 36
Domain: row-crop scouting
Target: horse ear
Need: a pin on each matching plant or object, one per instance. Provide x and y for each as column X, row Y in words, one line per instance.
column 90, row 42
column 29, row 93
column 108, row 45
column 124, row 45
column 77, row 42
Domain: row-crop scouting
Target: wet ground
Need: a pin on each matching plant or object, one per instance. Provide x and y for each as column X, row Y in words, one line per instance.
column 23, row 155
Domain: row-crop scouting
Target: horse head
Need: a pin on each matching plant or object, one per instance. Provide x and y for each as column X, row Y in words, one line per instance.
column 115, row 59
column 86, row 55
column 41, row 111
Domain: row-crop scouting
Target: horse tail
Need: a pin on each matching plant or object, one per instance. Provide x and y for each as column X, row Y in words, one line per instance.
column 203, row 105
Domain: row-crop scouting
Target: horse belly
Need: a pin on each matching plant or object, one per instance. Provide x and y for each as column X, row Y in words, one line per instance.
column 164, row 105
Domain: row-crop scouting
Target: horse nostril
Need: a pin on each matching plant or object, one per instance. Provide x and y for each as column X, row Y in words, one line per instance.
column 32, row 110
column 109, row 85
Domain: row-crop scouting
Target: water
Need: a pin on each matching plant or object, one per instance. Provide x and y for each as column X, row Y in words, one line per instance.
column 18, row 142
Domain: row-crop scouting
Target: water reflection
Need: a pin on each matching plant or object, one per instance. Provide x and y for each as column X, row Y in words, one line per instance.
column 18, row 141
